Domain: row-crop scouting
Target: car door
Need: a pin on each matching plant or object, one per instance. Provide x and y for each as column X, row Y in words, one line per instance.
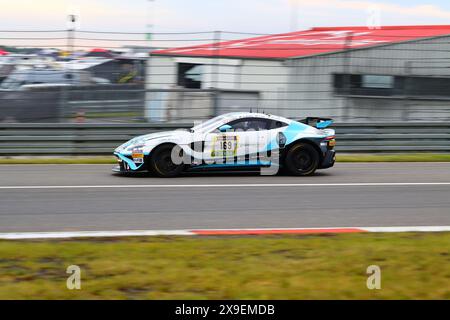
column 240, row 142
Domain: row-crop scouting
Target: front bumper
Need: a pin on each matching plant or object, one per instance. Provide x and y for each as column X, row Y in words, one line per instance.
column 127, row 165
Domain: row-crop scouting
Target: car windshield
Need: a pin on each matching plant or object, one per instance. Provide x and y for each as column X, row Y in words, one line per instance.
column 210, row 124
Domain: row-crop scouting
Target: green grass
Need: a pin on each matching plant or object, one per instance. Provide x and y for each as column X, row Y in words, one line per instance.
column 417, row 157
column 413, row 266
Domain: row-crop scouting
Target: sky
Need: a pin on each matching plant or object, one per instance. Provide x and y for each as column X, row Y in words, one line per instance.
column 257, row 16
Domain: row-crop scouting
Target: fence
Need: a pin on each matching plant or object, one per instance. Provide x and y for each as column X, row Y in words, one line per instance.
column 350, row 75
column 101, row 139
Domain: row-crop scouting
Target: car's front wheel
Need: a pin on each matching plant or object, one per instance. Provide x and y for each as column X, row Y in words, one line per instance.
column 162, row 163
column 302, row 160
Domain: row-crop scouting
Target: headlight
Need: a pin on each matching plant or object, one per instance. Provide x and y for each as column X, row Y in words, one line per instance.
column 135, row 146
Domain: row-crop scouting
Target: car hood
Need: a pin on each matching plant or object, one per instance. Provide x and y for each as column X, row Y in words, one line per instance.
column 167, row 136
column 157, row 135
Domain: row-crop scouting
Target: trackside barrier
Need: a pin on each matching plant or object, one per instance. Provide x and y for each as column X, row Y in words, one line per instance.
column 101, row 139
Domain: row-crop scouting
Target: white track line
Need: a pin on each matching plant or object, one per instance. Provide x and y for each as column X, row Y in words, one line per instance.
column 252, row 185
column 407, row 229
column 140, row 233
column 92, row 234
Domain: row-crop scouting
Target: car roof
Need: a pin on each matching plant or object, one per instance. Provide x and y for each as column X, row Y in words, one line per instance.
column 227, row 117
column 240, row 115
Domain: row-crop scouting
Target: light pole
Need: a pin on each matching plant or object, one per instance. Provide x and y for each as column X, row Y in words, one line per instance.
column 71, row 22
column 64, row 103
column 150, row 24
column 149, row 112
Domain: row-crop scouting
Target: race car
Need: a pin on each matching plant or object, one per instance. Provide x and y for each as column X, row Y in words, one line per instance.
column 234, row 141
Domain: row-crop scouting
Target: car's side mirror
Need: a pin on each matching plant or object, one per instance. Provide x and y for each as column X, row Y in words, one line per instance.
column 225, row 128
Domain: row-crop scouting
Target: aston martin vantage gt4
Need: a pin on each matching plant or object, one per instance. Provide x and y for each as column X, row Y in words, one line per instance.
column 234, row 141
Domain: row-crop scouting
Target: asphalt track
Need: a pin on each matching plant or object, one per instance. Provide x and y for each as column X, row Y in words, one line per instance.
column 45, row 198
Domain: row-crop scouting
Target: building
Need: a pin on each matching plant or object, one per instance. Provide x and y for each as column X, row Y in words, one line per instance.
column 397, row 73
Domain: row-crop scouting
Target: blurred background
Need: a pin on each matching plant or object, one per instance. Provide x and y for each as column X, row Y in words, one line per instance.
column 351, row 74
column 140, row 65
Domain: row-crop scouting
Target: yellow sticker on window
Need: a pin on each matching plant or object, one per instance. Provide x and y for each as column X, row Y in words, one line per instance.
column 225, row 146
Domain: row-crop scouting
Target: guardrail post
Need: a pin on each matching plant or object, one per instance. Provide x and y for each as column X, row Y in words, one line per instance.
column 408, row 90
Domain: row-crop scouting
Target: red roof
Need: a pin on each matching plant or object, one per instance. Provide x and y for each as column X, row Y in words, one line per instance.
column 309, row 42
column 99, row 50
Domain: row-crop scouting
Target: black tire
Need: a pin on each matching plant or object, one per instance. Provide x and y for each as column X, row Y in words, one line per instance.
column 161, row 163
column 302, row 160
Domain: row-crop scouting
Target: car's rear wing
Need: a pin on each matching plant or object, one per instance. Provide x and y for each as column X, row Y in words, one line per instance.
column 319, row 123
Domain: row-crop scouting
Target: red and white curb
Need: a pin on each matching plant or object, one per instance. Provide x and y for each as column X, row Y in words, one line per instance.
column 212, row 232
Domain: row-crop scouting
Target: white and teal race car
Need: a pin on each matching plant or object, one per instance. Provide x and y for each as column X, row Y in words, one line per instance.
column 234, row 141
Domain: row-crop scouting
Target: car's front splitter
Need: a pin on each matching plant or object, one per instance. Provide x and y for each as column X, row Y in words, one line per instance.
column 127, row 165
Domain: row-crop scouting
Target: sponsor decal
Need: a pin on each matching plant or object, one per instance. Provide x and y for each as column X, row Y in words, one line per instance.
column 225, row 146
column 138, row 155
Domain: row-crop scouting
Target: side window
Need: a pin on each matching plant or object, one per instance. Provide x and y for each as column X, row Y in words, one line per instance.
column 238, row 125
column 275, row 124
column 249, row 124
column 257, row 124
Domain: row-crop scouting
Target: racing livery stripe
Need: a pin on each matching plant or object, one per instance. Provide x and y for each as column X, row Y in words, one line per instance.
column 130, row 162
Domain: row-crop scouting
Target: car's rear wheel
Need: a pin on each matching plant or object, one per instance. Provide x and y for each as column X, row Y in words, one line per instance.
column 302, row 160
column 162, row 163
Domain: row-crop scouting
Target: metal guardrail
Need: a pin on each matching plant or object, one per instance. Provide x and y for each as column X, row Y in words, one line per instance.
column 101, row 139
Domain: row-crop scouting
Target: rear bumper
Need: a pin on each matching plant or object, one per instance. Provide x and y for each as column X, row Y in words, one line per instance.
column 328, row 160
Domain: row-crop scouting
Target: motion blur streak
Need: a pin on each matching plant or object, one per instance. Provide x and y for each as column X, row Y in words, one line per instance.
column 191, row 208
column 210, row 232
column 245, row 185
